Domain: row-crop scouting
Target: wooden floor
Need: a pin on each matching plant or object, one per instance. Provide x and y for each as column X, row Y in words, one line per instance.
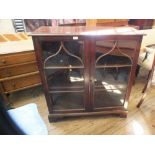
column 139, row 121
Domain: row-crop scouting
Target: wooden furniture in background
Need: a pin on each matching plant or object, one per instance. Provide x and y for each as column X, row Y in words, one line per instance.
column 33, row 24
column 87, row 70
column 142, row 23
column 106, row 22
column 18, row 67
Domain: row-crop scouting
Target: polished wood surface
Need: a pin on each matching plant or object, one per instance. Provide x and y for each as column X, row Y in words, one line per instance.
column 139, row 121
column 84, row 31
column 107, row 22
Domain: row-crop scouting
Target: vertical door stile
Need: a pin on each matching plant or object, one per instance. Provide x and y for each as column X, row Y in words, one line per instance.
column 92, row 71
column 87, row 75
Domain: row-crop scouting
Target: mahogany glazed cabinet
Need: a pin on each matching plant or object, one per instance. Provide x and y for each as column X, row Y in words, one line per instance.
column 87, row 70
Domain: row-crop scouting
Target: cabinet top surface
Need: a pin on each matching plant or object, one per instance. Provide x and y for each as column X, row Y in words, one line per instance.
column 85, row 31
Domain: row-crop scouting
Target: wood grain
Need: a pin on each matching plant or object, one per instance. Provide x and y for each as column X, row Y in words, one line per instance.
column 139, row 121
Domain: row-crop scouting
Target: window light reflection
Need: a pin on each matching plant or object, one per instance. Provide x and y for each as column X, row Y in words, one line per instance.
column 111, row 88
column 111, row 31
column 122, row 101
column 124, row 30
column 75, row 79
column 137, row 128
column 98, row 32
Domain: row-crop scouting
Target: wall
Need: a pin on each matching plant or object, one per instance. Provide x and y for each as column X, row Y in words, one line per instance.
column 149, row 38
column 6, row 26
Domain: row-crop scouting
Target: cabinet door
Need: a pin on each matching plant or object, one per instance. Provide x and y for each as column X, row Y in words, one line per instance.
column 112, row 62
column 64, row 73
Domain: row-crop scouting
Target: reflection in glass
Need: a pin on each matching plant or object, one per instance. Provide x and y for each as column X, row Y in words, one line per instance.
column 64, row 67
column 112, row 71
column 112, row 60
column 67, row 100
column 110, row 86
column 117, row 77
column 63, row 54
column 109, row 97
column 65, row 78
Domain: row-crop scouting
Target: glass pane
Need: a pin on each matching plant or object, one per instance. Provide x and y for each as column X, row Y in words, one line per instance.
column 112, row 77
column 110, row 86
column 113, row 61
column 63, row 54
column 130, row 44
column 68, row 100
column 114, row 53
column 65, row 79
column 64, row 70
column 109, row 98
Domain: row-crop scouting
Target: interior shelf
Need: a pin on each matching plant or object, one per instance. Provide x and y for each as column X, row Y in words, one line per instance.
column 110, row 87
column 63, row 67
column 113, row 65
column 67, row 91
column 68, row 87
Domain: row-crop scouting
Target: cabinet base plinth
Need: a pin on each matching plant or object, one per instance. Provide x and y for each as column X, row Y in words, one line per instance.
column 55, row 117
column 123, row 115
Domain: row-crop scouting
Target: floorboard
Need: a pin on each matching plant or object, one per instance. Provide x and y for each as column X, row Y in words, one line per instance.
column 139, row 121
